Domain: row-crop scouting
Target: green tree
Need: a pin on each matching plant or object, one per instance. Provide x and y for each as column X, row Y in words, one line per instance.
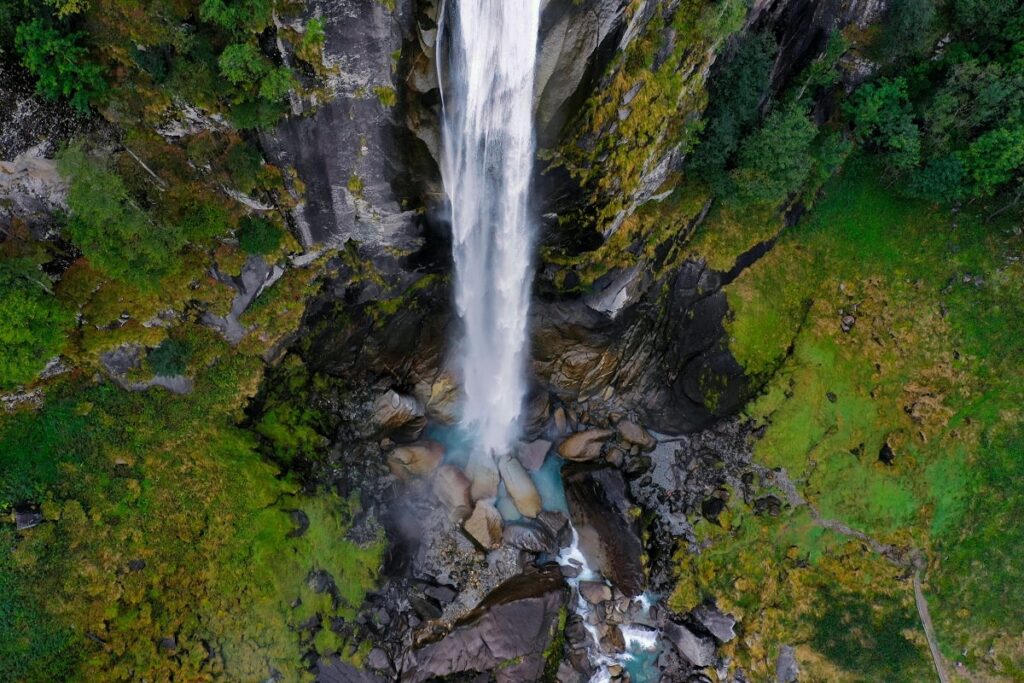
column 908, row 27
column 995, row 161
column 238, row 16
column 60, row 64
column 775, row 160
column 243, row 64
column 171, row 357
column 112, row 230
column 735, row 95
column 883, row 120
column 33, row 324
column 258, row 235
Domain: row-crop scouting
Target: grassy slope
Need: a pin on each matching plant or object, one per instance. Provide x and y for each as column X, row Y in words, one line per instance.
column 931, row 366
column 173, row 482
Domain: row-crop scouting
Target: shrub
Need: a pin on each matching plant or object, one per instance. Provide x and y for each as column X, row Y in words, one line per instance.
column 60, row 64
column 258, row 235
column 33, row 324
column 110, row 228
column 171, row 357
column 884, row 120
column 775, row 160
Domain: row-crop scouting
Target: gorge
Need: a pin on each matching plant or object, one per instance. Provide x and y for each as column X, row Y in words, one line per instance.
column 354, row 341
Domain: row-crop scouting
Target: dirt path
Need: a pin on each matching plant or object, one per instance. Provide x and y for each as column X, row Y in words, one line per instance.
column 929, row 630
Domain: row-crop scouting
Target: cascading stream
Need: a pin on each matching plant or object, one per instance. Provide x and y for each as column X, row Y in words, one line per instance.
column 490, row 49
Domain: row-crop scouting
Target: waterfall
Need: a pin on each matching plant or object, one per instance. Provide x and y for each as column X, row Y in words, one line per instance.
column 490, row 49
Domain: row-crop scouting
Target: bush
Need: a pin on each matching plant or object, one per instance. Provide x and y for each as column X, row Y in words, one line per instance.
column 244, row 162
column 883, row 120
column 259, row 236
column 775, row 160
column 908, row 27
column 170, row 358
column 33, row 324
column 110, row 228
column 60, row 64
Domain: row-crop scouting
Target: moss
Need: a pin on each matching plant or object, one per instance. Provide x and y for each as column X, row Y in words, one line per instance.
column 386, row 95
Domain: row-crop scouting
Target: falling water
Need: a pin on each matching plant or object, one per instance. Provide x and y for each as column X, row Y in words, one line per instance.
column 489, row 48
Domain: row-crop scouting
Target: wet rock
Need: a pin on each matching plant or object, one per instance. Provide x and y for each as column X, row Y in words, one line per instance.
column 401, row 417
column 443, row 594
column 519, row 486
column 415, row 460
column 558, row 525
column 561, row 423
column 612, row 639
column 533, row 454
column 515, row 622
column 635, row 435
column 378, row 659
column 451, row 487
column 529, row 536
column 786, row 669
column 27, row 518
column 721, row 626
column 595, row 592
column 609, row 537
column 698, row 650
column 482, row 471
column 484, row 525
column 425, row 606
column 584, row 446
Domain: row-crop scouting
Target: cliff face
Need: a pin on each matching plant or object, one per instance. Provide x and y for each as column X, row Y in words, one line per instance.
column 620, row 89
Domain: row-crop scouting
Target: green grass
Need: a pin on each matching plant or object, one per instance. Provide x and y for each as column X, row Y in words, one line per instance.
column 931, row 366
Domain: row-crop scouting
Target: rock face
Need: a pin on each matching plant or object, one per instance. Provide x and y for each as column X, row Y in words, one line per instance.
column 31, row 189
column 350, row 149
column 599, row 507
column 507, row 633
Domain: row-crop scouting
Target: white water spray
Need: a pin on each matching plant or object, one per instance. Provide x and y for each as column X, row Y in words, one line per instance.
column 490, row 49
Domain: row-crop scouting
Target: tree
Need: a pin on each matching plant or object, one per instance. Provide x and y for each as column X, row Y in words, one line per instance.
column 735, row 94
column 259, row 236
column 883, row 119
column 995, row 160
column 112, row 230
column 60, row 63
column 908, row 27
column 775, row 160
column 33, row 324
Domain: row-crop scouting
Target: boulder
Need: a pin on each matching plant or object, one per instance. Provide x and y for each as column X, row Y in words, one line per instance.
column 514, row 623
column 584, row 446
column 635, row 435
column 400, row 416
column 609, row 537
column 484, row 525
column 415, row 460
column 529, row 536
column 483, row 473
column 721, row 626
column 698, row 650
column 27, row 518
column 451, row 487
column 533, row 453
column 595, row 592
column 519, row 486
column 786, row 669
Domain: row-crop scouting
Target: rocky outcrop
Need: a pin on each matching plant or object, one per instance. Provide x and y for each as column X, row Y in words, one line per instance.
column 609, row 538
column 508, row 633
column 31, row 189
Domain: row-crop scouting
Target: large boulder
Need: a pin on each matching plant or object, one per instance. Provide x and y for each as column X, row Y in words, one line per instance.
column 415, row 460
column 507, row 633
column 584, row 446
column 519, row 486
column 532, row 454
column 609, row 537
column 400, row 416
column 451, row 487
column 698, row 650
column 635, row 435
column 485, row 525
